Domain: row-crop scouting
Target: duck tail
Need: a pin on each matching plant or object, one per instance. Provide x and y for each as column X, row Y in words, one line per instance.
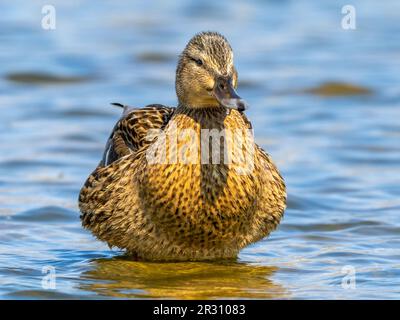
column 119, row 105
column 123, row 106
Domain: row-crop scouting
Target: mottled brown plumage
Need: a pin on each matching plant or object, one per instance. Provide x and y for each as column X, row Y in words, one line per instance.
column 129, row 134
column 158, row 195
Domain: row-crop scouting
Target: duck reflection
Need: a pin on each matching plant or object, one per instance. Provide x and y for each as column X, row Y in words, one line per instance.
column 123, row 278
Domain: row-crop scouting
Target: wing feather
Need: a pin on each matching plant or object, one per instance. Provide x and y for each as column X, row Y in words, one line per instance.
column 130, row 132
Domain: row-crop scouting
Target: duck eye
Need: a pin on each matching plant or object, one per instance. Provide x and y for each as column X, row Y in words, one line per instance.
column 199, row 62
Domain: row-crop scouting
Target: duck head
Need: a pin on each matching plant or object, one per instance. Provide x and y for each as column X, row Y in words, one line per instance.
column 206, row 75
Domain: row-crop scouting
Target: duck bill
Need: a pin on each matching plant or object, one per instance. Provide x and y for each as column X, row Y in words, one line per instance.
column 227, row 96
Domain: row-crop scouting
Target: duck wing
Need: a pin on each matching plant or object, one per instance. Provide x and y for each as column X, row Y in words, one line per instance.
column 130, row 132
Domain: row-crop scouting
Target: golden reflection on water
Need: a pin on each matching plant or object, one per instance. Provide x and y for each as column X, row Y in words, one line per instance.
column 122, row 278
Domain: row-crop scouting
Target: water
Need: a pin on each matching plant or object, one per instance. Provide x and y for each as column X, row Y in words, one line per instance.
column 338, row 151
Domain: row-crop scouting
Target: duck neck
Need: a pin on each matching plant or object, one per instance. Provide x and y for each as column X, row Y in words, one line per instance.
column 207, row 117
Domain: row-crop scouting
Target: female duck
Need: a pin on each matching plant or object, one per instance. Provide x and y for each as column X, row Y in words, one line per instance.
column 162, row 193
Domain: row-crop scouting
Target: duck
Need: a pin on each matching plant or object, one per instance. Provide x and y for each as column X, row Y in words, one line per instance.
column 162, row 192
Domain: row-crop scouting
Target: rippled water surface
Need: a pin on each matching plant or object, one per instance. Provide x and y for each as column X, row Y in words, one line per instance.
column 324, row 103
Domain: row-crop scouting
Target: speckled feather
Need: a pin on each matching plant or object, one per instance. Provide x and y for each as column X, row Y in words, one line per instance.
column 129, row 134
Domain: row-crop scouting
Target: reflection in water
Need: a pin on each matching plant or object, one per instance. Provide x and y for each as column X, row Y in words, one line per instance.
column 122, row 278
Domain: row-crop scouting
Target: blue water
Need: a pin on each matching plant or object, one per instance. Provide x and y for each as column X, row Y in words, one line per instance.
column 339, row 153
